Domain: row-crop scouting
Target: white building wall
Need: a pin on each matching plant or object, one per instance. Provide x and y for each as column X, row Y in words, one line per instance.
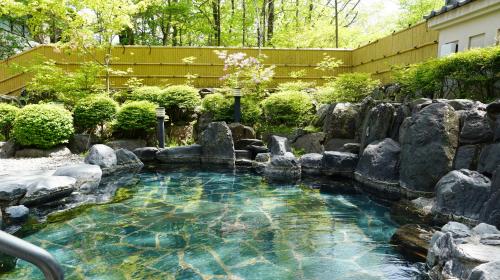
column 462, row 32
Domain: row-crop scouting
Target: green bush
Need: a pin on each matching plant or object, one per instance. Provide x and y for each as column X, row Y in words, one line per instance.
column 179, row 101
column 290, row 108
column 295, row 86
column 7, row 115
column 94, row 110
column 350, row 87
column 136, row 118
column 147, row 93
column 222, row 107
column 43, row 126
column 471, row 74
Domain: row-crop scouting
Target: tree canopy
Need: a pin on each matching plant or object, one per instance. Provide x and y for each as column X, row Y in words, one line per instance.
column 283, row 23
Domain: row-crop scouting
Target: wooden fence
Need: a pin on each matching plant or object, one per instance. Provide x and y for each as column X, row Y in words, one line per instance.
column 164, row 65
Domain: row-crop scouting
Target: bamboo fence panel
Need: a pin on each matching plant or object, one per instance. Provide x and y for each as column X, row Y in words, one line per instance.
column 164, row 65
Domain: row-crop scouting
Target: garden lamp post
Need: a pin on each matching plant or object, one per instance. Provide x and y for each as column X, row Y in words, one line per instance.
column 237, row 104
column 160, row 117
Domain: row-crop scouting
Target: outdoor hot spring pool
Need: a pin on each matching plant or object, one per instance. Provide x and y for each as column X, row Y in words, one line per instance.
column 213, row 225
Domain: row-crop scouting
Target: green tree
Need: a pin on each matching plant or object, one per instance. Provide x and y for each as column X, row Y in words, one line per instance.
column 413, row 11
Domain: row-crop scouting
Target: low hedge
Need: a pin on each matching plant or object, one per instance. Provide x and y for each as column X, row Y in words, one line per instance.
column 93, row 111
column 43, row 126
column 135, row 118
column 470, row 74
column 146, row 93
column 7, row 115
column 289, row 108
column 349, row 87
column 179, row 101
column 222, row 108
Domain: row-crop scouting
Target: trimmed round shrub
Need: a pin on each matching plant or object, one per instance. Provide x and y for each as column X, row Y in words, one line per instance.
column 222, row 108
column 94, row 110
column 7, row 115
column 147, row 93
column 179, row 101
column 290, row 108
column 136, row 118
column 43, row 126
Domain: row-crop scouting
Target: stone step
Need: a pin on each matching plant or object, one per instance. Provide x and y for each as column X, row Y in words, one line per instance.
column 243, row 154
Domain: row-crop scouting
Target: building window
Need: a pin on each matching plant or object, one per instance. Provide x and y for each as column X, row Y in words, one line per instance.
column 449, row 48
column 476, row 41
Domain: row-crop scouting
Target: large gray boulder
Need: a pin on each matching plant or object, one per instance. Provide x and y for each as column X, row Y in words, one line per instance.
column 489, row 159
column 80, row 143
column 493, row 111
column 428, row 143
column 16, row 214
column 476, row 128
column 101, row 155
column 310, row 142
column 457, row 256
column 125, row 159
column 38, row 153
column 217, row 145
column 128, row 144
column 378, row 166
column 48, row 188
column 8, row 149
column 11, row 191
column 88, row 176
column 240, row 131
column 283, row 168
column 467, row 157
column 462, row 193
column 278, row 145
column 180, row 155
column 486, row 271
column 491, row 209
column 311, row 164
column 340, row 121
column 378, row 124
column 146, row 154
column 339, row 164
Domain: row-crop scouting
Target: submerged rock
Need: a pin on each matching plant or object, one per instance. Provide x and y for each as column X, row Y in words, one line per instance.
column 101, row 155
column 217, row 145
column 430, row 136
column 180, row 155
column 462, row 193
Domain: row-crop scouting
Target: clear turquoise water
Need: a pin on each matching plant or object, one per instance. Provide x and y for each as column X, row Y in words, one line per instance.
column 206, row 225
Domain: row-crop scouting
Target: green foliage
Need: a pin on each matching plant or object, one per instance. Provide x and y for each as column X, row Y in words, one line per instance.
column 179, row 101
column 43, row 126
column 350, row 87
column 7, row 115
column 94, row 110
column 136, row 118
column 413, row 11
column 222, row 107
column 52, row 84
column 329, row 65
column 469, row 74
column 295, row 86
column 289, row 108
column 147, row 93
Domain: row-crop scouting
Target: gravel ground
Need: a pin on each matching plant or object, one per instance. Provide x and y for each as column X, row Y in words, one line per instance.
column 35, row 166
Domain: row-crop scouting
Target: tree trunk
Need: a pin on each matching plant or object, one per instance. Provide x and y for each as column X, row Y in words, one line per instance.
column 270, row 21
column 217, row 21
column 243, row 22
column 336, row 24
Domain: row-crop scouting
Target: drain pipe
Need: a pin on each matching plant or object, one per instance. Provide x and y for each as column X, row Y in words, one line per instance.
column 160, row 117
column 24, row 250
